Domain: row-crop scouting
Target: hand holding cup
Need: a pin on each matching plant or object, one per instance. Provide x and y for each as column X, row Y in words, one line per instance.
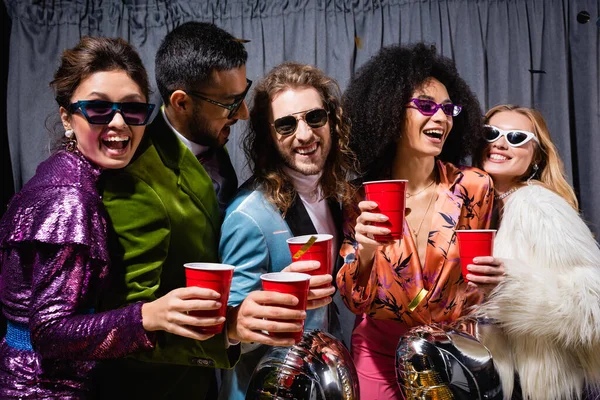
column 293, row 283
column 216, row 277
column 320, row 288
column 316, row 247
column 486, row 273
column 474, row 243
column 366, row 229
column 171, row 312
column 390, row 197
column 262, row 312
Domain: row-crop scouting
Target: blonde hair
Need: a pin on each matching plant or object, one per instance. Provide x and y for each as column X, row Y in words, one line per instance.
column 551, row 172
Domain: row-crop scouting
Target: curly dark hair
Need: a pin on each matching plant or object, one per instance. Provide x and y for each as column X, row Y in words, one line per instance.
column 376, row 94
column 261, row 151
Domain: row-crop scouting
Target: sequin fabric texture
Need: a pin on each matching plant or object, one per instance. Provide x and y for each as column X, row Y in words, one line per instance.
column 54, row 265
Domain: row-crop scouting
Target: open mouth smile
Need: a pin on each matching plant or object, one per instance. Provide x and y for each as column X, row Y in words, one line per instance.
column 498, row 157
column 116, row 142
column 307, row 150
column 434, row 133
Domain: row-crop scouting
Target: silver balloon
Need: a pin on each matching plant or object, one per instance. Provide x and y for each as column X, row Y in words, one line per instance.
column 447, row 362
column 318, row 368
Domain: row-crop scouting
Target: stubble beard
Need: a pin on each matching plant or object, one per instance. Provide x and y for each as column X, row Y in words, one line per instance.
column 200, row 131
column 310, row 169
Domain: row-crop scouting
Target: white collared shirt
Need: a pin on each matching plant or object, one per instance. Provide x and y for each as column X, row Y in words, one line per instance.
column 310, row 193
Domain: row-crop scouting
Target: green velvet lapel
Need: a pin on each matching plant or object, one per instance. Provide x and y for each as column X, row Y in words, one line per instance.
column 192, row 178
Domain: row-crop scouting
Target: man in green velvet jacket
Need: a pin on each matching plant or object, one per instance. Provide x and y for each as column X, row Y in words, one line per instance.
column 165, row 207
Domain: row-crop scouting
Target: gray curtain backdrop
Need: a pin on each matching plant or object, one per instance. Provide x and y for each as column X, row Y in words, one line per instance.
column 529, row 52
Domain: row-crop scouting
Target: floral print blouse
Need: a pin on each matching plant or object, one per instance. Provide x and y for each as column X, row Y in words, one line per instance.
column 399, row 288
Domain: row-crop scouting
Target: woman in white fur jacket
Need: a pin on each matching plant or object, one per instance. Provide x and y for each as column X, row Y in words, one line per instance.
column 547, row 305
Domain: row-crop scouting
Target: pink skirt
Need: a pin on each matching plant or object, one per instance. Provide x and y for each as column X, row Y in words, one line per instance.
column 373, row 350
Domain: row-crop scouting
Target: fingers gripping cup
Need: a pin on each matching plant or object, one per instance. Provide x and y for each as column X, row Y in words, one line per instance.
column 303, row 248
column 294, row 283
column 474, row 243
column 210, row 276
column 390, row 197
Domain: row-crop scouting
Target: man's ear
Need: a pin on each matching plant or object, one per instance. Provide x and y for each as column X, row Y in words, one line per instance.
column 180, row 101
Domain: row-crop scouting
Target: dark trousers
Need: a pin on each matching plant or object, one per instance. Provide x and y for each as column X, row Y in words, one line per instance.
column 132, row 379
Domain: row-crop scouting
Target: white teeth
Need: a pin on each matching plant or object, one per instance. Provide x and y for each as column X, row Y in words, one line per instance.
column 498, row 157
column 434, row 131
column 116, row 139
column 307, row 150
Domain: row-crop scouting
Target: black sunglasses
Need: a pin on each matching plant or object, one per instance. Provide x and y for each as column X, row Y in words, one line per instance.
column 314, row 118
column 429, row 108
column 100, row 112
column 233, row 107
column 514, row 137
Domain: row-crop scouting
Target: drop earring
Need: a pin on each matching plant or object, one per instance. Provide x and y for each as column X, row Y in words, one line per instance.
column 71, row 142
column 535, row 169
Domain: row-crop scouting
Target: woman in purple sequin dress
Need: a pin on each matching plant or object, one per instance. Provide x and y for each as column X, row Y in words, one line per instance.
column 53, row 238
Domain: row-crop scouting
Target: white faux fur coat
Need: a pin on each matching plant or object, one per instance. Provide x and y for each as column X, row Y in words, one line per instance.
column 548, row 307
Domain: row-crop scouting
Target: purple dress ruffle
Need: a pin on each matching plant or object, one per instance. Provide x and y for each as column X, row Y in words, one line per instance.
column 54, row 266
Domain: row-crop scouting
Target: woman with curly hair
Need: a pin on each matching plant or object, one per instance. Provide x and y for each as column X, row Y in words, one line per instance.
column 413, row 118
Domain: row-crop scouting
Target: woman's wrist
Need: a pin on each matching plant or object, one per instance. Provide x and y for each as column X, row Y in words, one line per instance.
column 366, row 259
column 146, row 311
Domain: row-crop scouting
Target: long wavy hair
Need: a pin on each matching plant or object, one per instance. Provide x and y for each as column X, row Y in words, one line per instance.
column 551, row 171
column 262, row 154
column 376, row 96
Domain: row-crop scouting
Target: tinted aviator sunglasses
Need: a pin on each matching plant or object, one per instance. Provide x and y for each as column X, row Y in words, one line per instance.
column 314, row 118
column 100, row 112
column 429, row 108
column 233, row 107
column 514, row 137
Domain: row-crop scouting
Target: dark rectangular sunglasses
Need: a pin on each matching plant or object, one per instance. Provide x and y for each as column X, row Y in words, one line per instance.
column 514, row 137
column 100, row 112
column 314, row 118
column 233, row 107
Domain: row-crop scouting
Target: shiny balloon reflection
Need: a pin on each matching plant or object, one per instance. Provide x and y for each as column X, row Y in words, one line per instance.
column 318, row 368
column 447, row 362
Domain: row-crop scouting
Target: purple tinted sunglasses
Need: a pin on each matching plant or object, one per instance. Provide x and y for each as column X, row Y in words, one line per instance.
column 428, row 107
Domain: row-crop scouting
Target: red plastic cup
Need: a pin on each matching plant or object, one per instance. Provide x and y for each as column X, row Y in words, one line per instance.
column 474, row 243
column 390, row 197
column 321, row 251
column 210, row 276
column 294, row 283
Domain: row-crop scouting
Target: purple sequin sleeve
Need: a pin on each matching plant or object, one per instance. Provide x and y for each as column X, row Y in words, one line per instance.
column 55, row 267
column 62, row 324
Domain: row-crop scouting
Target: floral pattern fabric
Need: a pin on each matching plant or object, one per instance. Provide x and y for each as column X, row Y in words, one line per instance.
column 464, row 201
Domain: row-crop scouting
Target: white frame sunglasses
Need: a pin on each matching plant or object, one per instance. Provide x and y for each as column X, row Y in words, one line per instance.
column 510, row 136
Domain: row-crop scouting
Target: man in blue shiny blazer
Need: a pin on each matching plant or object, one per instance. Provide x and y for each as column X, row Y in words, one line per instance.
column 297, row 146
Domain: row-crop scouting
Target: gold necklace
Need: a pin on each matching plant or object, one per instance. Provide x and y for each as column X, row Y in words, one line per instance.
column 408, row 195
column 416, row 232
